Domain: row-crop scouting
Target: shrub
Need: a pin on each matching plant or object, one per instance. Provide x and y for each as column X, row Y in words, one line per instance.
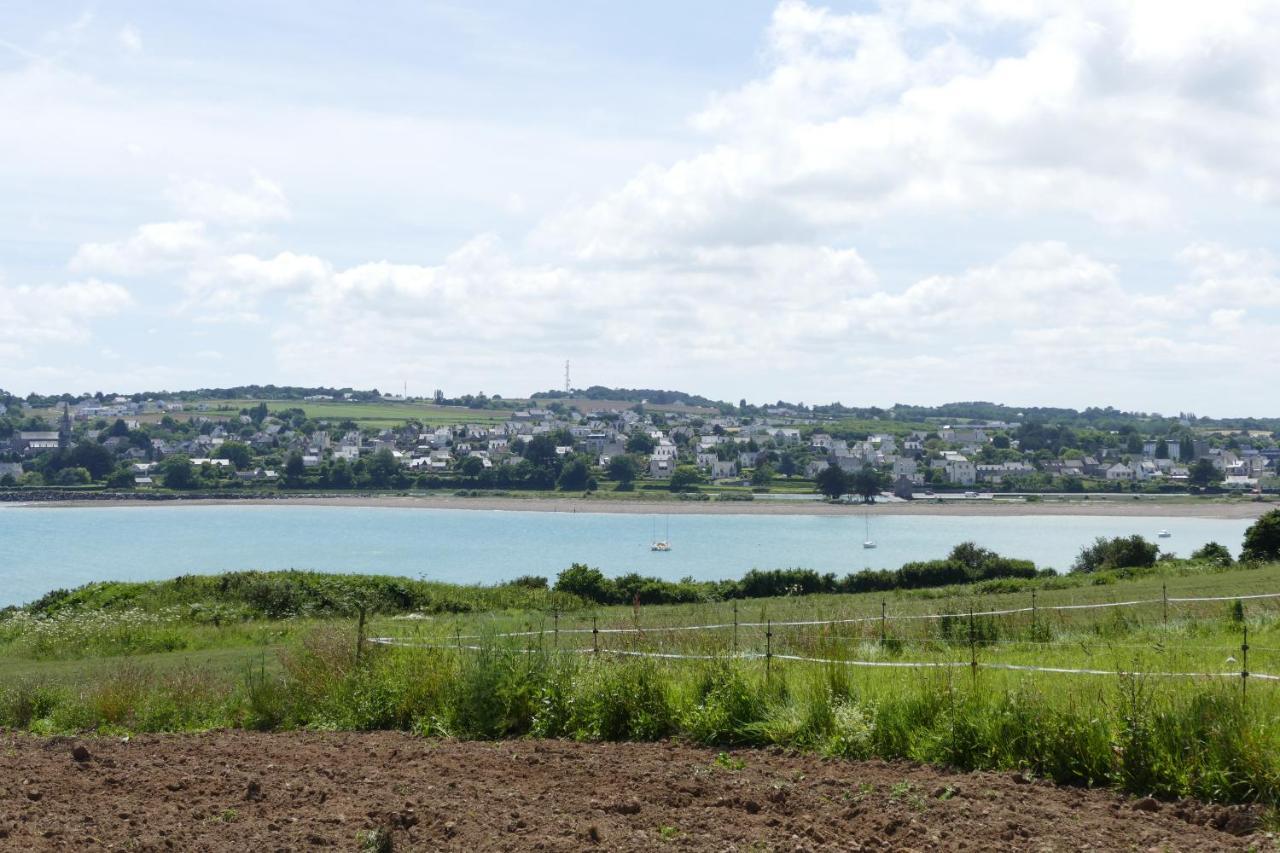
column 1213, row 554
column 1121, row 552
column 1262, row 539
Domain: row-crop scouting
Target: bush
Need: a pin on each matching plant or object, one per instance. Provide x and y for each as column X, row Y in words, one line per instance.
column 1121, row 552
column 583, row 581
column 1262, row 539
column 1213, row 554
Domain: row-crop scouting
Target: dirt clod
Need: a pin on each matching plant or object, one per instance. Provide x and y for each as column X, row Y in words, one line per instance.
column 240, row 790
column 1146, row 804
column 80, row 753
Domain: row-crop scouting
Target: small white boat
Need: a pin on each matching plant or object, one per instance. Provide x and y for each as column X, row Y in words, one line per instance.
column 663, row 544
column 868, row 542
column 1164, row 534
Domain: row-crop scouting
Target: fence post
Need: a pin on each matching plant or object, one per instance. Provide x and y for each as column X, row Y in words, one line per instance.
column 735, row 626
column 1244, row 663
column 973, row 648
column 595, row 636
column 555, row 635
column 1164, row 598
column 768, row 648
column 883, row 606
column 457, row 635
column 1033, row 613
column 360, row 636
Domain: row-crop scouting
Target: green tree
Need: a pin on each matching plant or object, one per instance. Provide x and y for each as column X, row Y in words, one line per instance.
column 1133, row 444
column 762, row 475
column 589, row 583
column 640, row 442
column 574, row 475
column 72, row 477
column 176, row 473
column 1121, row 552
column 340, row 476
column 383, row 469
column 832, row 482
column 470, row 466
column 541, row 450
column 295, row 471
column 1000, row 441
column 622, row 469
column 1262, row 539
column 121, row 478
column 1213, row 554
column 92, row 457
column 866, row 483
column 1186, row 449
column 686, row 478
column 239, row 454
column 1202, row 473
column 1162, row 449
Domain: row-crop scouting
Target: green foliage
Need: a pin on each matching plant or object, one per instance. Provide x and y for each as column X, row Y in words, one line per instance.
column 1262, row 539
column 832, row 482
column 1214, row 554
column 72, row 477
column 640, row 442
column 1120, row 552
column 574, row 475
column 622, row 469
column 287, row 594
column 239, row 454
column 176, row 472
column 686, row 478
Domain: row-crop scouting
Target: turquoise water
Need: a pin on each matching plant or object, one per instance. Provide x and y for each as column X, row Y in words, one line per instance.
column 47, row 548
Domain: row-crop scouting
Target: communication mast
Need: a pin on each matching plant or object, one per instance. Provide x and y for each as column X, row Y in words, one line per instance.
column 566, row 376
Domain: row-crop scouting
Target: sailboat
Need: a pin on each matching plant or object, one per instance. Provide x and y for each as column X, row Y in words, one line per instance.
column 868, row 542
column 663, row 544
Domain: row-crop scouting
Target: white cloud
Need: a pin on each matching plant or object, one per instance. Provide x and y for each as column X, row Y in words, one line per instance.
column 1108, row 112
column 153, row 247
column 54, row 314
column 130, row 39
column 262, row 201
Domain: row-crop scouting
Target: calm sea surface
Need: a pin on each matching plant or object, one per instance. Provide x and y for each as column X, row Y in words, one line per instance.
column 46, row 548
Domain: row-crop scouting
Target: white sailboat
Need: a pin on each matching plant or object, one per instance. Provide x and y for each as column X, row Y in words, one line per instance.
column 1164, row 534
column 663, row 544
column 868, row 542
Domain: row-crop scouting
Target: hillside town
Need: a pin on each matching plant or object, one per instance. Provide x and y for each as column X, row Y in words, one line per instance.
column 132, row 444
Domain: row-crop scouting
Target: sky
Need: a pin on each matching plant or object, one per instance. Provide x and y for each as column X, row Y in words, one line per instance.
column 918, row 201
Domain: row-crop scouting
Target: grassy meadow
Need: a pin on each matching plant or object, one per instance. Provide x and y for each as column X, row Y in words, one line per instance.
column 282, row 651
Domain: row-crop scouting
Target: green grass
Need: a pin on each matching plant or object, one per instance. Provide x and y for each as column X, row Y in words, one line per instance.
column 373, row 415
column 128, row 659
column 380, row 415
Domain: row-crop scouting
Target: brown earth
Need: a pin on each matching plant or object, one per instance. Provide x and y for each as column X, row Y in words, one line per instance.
column 244, row 791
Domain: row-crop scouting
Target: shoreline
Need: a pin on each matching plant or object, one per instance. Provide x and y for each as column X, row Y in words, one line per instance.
column 1119, row 506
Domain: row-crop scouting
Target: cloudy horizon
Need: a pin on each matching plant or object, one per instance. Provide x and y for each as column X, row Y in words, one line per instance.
column 910, row 201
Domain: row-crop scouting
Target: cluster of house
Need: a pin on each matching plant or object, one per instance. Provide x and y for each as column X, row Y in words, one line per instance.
column 723, row 447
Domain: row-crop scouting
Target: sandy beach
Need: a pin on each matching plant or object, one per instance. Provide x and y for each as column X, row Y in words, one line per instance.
column 1112, row 506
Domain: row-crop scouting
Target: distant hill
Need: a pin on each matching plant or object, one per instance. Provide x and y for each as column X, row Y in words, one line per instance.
column 655, row 396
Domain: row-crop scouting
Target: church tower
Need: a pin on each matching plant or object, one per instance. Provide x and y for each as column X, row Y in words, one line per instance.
column 64, row 428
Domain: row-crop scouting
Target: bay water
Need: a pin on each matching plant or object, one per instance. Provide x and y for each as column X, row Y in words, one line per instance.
column 45, row 548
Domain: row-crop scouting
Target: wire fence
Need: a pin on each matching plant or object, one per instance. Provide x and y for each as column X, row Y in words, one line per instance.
column 818, row 641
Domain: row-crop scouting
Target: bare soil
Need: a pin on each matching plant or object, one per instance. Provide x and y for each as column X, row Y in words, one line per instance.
column 234, row 790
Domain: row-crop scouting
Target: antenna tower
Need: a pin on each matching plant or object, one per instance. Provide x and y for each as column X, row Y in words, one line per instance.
column 566, row 376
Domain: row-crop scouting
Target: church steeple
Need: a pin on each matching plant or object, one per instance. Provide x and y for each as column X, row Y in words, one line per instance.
column 64, row 429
